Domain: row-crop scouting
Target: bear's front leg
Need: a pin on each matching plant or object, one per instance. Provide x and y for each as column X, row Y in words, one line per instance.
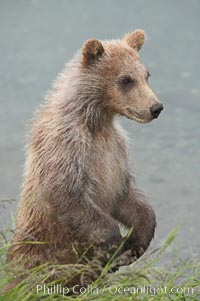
column 133, row 211
column 91, row 227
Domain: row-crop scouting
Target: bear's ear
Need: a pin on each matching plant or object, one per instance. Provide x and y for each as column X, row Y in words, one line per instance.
column 135, row 39
column 92, row 50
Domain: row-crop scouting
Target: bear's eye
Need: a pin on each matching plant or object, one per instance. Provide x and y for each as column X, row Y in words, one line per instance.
column 127, row 81
column 148, row 75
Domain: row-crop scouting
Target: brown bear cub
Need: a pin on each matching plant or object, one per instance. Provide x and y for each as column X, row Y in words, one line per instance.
column 78, row 186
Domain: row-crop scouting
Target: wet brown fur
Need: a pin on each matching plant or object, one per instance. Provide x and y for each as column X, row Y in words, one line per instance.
column 78, row 185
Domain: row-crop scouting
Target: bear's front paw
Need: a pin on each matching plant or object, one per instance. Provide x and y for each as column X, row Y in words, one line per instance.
column 136, row 248
column 123, row 259
column 141, row 237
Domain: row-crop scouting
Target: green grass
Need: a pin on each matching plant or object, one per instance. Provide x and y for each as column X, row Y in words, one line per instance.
column 152, row 277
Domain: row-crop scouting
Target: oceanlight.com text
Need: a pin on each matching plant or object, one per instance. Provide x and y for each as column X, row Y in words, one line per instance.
column 113, row 289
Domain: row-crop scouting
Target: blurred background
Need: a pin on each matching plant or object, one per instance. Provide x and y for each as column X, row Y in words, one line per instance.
column 39, row 36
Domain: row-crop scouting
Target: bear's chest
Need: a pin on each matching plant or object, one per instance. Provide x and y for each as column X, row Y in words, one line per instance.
column 109, row 168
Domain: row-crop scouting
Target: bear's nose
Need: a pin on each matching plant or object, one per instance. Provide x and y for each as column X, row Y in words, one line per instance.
column 156, row 109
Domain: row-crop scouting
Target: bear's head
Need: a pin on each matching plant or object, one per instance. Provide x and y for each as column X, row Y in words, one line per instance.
column 118, row 75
